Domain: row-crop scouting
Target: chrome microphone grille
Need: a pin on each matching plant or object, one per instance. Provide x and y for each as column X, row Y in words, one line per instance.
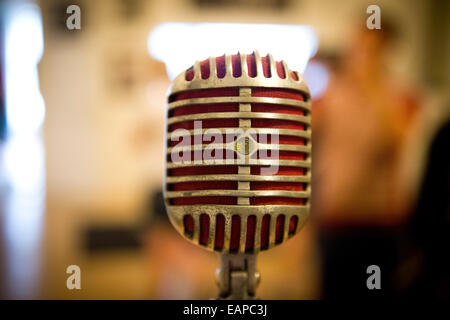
column 238, row 152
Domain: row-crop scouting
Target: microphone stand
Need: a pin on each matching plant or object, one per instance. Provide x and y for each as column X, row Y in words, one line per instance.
column 237, row 277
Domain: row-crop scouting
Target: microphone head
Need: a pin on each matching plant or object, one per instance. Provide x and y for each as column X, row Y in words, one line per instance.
column 238, row 147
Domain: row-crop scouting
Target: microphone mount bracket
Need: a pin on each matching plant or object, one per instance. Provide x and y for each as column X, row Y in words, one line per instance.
column 237, row 276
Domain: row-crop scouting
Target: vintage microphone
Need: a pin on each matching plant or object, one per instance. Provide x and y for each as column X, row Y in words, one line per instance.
column 237, row 175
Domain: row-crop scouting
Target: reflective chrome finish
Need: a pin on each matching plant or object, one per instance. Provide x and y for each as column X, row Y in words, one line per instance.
column 244, row 150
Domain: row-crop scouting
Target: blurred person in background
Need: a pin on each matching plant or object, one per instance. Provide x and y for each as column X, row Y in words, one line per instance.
column 360, row 125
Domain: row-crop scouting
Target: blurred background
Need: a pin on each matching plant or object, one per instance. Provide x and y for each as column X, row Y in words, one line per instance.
column 81, row 154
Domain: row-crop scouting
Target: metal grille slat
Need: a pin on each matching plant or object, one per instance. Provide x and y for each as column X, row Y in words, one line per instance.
column 237, row 193
column 287, row 132
column 242, row 115
column 231, row 146
column 240, row 99
column 231, row 162
column 236, row 177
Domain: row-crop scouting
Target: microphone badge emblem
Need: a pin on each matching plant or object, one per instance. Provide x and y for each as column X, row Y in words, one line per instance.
column 237, row 173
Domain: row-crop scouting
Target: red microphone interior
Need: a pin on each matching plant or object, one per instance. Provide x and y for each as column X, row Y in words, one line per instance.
column 283, row 139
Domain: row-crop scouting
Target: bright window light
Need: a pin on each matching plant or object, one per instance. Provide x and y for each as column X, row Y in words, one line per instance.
column 316, row 76
column 24, row 45
column 179, row 45
column 22, row 155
